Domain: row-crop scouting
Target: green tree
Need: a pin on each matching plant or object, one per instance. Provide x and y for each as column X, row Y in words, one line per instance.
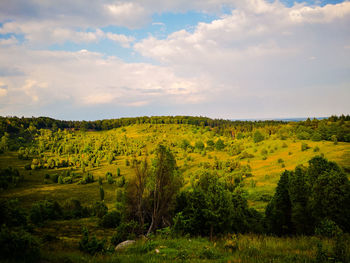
column 258, row 137
column 102, row 193
column 279, row 210
column 165, row 184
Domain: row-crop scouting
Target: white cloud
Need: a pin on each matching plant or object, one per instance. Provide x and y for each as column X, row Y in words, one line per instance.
column 8, row 41
column 88, row 79
column 262, row 60
column 3, row 92
column 123, row 40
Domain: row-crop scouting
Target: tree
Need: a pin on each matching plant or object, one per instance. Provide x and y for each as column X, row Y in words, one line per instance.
column 102, row 193
column 258, row 137
column 330, row 192
column 165, row 184
column 219, row 145
column 139, row 182
column 279, row 210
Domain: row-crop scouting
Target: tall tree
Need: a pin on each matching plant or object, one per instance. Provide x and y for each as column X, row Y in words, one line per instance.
column 165, row 184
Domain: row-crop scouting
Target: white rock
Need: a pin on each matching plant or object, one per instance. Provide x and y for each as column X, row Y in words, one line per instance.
column 124, row 244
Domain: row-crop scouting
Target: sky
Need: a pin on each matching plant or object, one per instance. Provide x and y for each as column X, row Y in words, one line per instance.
column 231, row 59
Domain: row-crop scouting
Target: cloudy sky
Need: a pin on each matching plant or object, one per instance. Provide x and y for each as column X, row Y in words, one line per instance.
column 78, row 59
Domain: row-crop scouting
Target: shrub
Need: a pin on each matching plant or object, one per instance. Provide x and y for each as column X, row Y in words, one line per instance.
column 304, row 147
column 110, row 179
column 99, row 209
column 244, row 155
column 73, row 209
column 9, row 177
column 258, row 137
column 60, row 179
column 219, row 145
column 327, row 228
column 44, row 210
column 125, row 230
column 118, row 171
column 18, row 246
column 316, row 149
column 91, row 245
column 11, row 214
column 54, row 178
column 111, row 219
column 121, row 181
column 87, row 179
column 264, row 152
column 67, row 180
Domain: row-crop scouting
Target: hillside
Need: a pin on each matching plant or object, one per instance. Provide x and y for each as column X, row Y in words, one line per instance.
column 70, row 164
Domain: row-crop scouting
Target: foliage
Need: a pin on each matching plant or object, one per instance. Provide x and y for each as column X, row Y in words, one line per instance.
column 11, row 214
column 9, row 177
column 73, row 209
column 18, row 245
column 111, row 219
column 209, row 208
column 258, row 137
column 44, row 210
column 309, row 198
column 125, row 230
column 99, row 209
column 164, row 185
column 91, row 245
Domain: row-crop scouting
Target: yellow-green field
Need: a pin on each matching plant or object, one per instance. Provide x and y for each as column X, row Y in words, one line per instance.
column 265, row 171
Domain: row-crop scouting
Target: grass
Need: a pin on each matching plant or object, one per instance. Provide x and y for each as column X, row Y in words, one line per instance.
column 237, row 248
column 265, row 172
column 61, row 238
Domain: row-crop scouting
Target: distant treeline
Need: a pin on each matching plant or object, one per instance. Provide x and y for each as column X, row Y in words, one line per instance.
column 308, row 129
column 15, row 124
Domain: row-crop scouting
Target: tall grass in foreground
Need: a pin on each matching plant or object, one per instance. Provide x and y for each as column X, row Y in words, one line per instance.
column 236, row 248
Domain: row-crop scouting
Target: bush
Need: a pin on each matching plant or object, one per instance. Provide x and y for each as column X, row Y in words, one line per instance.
column 258, row 137
column 18, row 246
column 125, row 230
column 73, row 209
column 111, row 220
column 316, row 149
column 54, row 178
column 67, row 180
column 87, row 179
column 99, row 209
column 9, row 177
column 121, row 181
column 44, row 210
column 11, row 214
column 110, row 179
column 304, row 147
column 327, row 228
column 219, row 145
column 91, row 245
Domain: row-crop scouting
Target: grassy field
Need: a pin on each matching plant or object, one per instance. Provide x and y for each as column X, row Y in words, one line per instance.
column 268, row 159
column 259, row 187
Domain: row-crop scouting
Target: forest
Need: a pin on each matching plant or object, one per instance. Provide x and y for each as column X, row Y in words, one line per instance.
column 176, row 189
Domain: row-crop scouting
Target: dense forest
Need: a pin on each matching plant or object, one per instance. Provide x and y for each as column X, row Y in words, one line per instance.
column 168, row 180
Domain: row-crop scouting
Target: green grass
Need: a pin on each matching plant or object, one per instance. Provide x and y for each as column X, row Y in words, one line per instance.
column 61, row 238
column 265, row 172
column 239, row 248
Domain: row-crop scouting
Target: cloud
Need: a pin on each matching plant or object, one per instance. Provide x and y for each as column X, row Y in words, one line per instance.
column 89, row 79
column 123, row 40
column 263, row 59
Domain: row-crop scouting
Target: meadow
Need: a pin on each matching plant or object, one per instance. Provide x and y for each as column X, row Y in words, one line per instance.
column 56, row 165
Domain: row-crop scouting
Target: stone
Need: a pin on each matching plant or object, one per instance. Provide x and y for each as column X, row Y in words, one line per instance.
column 124, row 244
